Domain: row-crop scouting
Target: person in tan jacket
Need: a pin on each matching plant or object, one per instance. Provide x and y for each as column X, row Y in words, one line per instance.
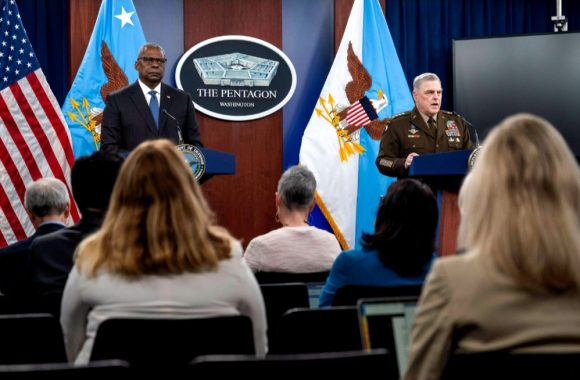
column 516, row 287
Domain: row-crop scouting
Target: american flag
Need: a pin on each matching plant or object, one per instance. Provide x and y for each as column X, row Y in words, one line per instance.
column 361, row 113
column 34, row 139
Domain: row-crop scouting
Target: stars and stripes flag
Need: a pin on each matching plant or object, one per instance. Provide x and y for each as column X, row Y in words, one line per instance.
column 34, row 139
column 361, row 112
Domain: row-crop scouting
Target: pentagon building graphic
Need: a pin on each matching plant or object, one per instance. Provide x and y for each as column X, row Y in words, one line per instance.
column 236, row 69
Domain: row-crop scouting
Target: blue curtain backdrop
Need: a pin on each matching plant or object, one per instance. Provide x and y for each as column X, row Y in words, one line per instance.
column 423, row 30
column 46, row 23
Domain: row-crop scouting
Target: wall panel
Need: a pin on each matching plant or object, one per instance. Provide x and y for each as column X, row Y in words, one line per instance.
column 244, row 202
column 82, row 17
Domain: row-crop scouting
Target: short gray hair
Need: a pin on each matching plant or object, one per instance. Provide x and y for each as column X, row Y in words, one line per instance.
column 150, row 45
column 419, row 79
column 296, row 187
column 46, row 196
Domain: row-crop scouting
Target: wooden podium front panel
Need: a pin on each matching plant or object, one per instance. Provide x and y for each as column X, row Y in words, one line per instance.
column 243, row 202
column 449, row 223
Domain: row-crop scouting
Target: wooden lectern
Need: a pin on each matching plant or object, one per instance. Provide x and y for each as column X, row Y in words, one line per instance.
column 444, row 172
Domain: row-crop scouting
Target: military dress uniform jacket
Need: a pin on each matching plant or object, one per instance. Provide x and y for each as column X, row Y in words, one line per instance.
column 408, row 132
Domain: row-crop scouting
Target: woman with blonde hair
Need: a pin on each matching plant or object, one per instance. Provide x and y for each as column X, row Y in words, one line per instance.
column 158, row 254
column 517, row 286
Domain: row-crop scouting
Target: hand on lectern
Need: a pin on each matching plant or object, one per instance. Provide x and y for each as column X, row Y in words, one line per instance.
column 409, row 159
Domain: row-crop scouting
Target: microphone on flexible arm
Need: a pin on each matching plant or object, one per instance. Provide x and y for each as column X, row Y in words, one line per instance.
column 179, row 135
column 472, row 128
column 473, row 156
column 192, row 154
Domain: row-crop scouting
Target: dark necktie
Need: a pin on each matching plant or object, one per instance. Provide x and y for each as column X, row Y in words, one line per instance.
column 154, row 105
column 432, row 124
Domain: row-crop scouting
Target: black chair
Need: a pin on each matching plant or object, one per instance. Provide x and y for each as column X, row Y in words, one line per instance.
column 171, row 343
column 506, row 365
column 349, row 295
column 31, row 338
column 284, row 277
column 319, row 330
column 92, row 371
column 338, row 365
column 19, row 304
column 279, row 298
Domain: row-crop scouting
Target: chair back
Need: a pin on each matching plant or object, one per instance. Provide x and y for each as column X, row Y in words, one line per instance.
column 62, row 371
column 506, row 365
column 329, row 329
column 283, row 277
column 279, row 298
column 165, row 343
column 31, row 338
column 350, row 364
column 349, row 295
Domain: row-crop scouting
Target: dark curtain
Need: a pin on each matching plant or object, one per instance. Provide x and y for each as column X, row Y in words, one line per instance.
column 46, row 23
column 423, row 30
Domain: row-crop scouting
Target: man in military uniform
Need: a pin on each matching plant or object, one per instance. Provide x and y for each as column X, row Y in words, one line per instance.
column 424, row 129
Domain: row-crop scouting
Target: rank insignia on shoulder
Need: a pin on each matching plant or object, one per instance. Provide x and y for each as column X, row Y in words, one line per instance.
column 455, row 114
column 401, row 114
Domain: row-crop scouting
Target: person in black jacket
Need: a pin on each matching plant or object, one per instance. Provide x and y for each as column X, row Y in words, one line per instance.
column 133, row 115
column 51, row 256
column 47, row 203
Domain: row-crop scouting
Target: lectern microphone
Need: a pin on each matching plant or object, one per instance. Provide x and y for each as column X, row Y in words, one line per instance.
column 192, row 154
column 179, row 135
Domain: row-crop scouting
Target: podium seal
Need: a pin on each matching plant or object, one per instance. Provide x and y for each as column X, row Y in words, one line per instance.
column 194, row 158
column 473, row 157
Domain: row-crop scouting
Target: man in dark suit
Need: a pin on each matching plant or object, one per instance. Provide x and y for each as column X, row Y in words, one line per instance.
column 148, row 109
column 47, row 203
column 51, row 256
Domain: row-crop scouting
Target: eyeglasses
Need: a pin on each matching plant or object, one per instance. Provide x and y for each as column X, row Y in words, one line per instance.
column 151, row 60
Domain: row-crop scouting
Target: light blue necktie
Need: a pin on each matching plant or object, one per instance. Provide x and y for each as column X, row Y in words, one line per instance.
column 154, row 105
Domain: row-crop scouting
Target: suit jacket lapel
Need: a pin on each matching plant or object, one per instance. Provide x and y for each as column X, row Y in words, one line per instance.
column 142, row 107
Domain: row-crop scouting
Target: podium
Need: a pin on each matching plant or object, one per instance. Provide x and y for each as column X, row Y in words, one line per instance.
column 217, row 163
column 444, row 173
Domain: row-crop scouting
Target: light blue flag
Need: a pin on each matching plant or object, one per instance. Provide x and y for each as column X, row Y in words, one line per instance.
column 364, row 87
column 108, row 65
column 380, row 58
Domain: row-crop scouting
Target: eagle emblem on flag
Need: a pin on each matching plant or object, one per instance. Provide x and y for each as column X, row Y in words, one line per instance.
column 362, row 112
column 91, row 117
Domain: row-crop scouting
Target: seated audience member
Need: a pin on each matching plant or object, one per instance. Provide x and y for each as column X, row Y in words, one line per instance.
column 47, row 203
column 517, row 286
column 400, row 250
column 51, row 256
column 296, row 247
column 158, row 254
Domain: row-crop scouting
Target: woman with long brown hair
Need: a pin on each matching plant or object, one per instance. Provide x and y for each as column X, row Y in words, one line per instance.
column 158, row 254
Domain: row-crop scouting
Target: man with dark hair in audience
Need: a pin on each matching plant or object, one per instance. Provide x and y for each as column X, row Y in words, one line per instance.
column 47, row 203
column 51, row 256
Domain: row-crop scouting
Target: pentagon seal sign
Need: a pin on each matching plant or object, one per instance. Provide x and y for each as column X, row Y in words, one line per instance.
column 236, row 77
column 194, row 158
